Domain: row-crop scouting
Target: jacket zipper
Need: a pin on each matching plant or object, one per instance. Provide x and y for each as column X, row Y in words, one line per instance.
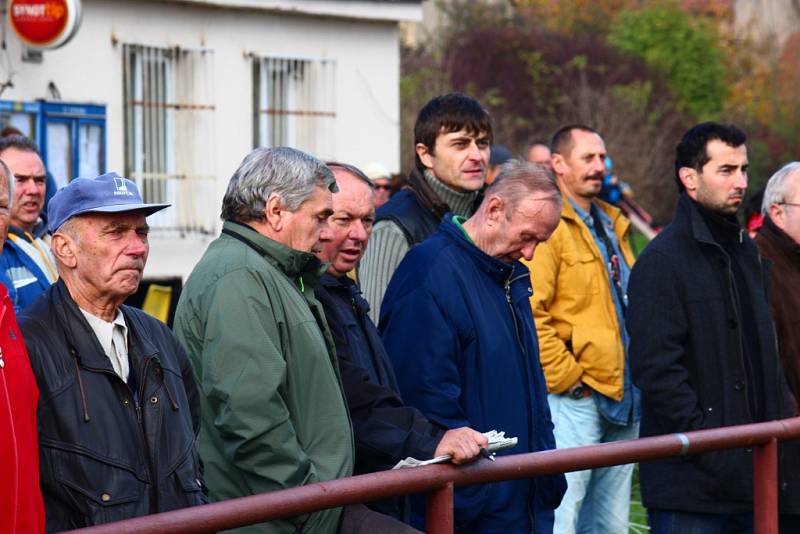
column 149, row 459
column 523, row 357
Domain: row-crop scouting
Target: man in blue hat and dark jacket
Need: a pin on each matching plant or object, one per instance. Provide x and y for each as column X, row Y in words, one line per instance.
column 118, row 409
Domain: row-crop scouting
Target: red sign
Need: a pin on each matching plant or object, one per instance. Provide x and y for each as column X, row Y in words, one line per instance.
column 44, row 23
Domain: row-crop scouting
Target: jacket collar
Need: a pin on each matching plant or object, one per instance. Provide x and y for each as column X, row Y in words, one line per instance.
column 687, row 211
column 569, row 213
column 426, row 195
column 335, row 282
column 346, row 286
column 498, row 270
column 780, row 240
column 293, row 263
column 82, row 339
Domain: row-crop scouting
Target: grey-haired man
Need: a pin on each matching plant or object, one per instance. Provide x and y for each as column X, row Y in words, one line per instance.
column 274, row 414
column 118, row 410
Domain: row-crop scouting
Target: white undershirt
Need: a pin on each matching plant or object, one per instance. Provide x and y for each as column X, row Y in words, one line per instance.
column 113, row 337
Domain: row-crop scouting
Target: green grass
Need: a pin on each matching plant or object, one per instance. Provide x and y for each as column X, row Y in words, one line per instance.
column 638, row 514
column 638, row 241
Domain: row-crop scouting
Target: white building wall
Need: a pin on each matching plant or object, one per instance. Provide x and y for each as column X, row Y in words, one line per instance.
column 89, row 70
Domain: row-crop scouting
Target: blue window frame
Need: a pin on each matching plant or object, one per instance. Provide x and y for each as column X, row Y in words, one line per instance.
column 71, row 136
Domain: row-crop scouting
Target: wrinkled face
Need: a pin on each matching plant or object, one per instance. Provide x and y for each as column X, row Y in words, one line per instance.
column 786, row 215
column 5, row 213
column 539, row 154
column 722, row 182
column 350, row 225
column 383, row 189
column 580, row 173
column 29, row 191
column 111, row 251
column 520, row 231
column 306, row 229
column 459, row 159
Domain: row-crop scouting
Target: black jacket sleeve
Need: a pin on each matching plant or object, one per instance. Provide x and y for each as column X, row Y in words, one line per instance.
column 385, row 430
column 659, row 329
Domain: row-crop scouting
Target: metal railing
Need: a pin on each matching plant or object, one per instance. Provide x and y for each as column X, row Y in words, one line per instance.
column 438, row 481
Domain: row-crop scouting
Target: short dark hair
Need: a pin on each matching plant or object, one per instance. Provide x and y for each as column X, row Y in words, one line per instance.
column 449, row 113
column 691, row 151
column 20, row 142
column 562, row 142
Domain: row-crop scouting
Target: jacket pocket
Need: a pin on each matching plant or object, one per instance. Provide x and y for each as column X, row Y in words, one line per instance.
column 580, row 274
column 96, row 490
column 185, row 484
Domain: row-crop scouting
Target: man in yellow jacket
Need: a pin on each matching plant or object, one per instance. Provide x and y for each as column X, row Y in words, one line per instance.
column 580, row 278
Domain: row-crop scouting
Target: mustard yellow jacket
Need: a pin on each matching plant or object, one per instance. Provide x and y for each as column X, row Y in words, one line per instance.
column 579, row 336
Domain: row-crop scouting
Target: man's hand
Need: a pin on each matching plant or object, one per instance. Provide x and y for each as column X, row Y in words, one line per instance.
column 462, row 444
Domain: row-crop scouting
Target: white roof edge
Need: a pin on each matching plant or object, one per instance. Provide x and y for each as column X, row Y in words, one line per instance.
column 383, row 11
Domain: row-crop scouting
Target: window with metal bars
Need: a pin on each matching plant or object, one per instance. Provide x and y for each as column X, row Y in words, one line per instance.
column 169, row 127
column 295, row 104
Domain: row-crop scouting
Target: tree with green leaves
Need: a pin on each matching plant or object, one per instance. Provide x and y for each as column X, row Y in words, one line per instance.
column 682, row 46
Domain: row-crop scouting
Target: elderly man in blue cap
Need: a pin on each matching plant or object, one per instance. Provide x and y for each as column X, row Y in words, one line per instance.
column 118, row 409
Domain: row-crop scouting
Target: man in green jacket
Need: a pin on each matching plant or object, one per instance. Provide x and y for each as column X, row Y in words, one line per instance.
column 273, row 412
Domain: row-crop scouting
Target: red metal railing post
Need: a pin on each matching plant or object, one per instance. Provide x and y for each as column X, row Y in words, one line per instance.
column 765, row 487
column 439, row 511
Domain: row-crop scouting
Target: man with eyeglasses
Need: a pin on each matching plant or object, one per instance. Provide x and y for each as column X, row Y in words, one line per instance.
column 382, row 182
column 27, row 260
column 779, row 241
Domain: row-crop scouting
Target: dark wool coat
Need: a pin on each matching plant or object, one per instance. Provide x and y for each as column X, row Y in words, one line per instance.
column 458, row 327
column 687, row 357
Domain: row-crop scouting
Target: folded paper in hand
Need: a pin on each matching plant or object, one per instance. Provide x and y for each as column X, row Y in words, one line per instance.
column 497, row 442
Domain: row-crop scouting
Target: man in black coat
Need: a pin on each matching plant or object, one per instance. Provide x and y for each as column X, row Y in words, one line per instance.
column 118, row 411
column 385, row 430
column 702, row 346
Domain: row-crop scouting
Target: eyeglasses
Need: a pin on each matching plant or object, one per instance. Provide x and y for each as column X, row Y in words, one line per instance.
column 789, row 203
column 385, row 187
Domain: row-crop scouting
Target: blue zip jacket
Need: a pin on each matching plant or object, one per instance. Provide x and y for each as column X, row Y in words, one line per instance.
column 28, row 279
column 458, row 327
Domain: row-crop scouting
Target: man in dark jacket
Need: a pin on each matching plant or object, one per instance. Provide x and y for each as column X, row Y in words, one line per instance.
column 458, row 327
column 702, row 347
column 385, row 430
column 118, row 406
column 452, row 137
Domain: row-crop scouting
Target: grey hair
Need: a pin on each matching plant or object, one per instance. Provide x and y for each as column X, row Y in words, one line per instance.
column 777, row 188
column 12, row 182
column 352, row 169
column 519, row 179
column 290, row 174
column 71, row 228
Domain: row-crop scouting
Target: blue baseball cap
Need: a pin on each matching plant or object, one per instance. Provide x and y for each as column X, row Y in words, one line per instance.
column 108, row 193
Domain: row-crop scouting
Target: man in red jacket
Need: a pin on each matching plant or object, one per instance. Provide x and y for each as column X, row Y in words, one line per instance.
column 23, row 510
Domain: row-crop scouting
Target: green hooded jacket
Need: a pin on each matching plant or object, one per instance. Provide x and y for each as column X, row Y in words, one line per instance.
column 273, row 412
